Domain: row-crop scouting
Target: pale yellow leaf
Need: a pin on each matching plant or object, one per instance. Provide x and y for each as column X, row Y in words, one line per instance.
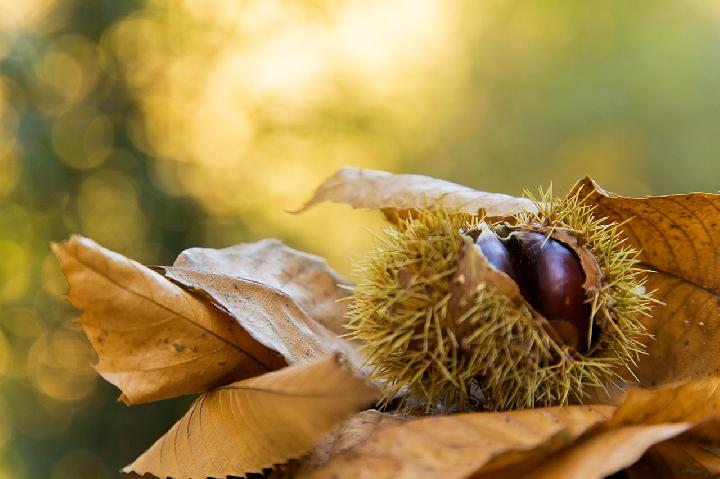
column 380, row 190
column 306, row 278
column 253, row 424
column 154, row 340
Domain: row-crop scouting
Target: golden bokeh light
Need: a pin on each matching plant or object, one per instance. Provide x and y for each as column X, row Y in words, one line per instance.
column 5, row 428
column 280, row 103
column 10, row 165
column 83, row 139
column 67, row 71
column 109, row 210
column 25, row 14
column 12, row 466
column 42, row 418
column 23, row 323
column 10, row 161
column 53, row 280
column 6, row 358
column 81, row 463
column 15, row 270
column 59, row 365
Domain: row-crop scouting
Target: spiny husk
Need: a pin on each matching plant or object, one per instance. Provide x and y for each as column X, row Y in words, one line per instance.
column 619, row 305
column 504, row 357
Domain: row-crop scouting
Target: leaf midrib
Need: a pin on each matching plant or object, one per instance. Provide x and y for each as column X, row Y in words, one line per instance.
column 166, row 308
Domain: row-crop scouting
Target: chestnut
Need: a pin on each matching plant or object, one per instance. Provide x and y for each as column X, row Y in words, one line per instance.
column 552, row 282
column 496, row 253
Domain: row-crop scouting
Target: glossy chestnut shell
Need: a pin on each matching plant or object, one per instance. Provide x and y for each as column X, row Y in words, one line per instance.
column 550, row 277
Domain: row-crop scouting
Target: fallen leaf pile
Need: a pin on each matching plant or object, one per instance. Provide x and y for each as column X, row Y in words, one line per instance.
column 256, row 331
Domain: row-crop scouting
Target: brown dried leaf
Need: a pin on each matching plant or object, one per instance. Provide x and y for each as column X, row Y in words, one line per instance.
column 679, row 459
column 645, row 418
column 380, row 190
column 346, row 435
column 250, row 425
column 305, row 278
column 154, row 340
column 694, row 401
column 596, row 456
column 271, row 316
column 694, row 454
column 452, row 446
column 679, row 236
column 572, row 441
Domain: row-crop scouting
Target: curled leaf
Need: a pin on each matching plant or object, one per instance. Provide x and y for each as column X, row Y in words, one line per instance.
column 694, row 401
column 306, row 278
column 154, row 340
column 395, row 194
column 269, row 315
column 250, row 425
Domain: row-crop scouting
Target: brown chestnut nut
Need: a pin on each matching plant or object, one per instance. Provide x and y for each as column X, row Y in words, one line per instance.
column 552, row 282
column 496, row 253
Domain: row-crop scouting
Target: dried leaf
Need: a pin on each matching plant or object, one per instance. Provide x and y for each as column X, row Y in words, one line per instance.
column 694, row 401
column 346, row 435
column 572, row 441
column 678, row 459
column 305, row 278
column 253, row 424
column 271, row 316
column 645, row 418
column 380, row 190
column 679, row 236
column 695, row 454
column 154, row 340
column 597, row 456
column 453, row 446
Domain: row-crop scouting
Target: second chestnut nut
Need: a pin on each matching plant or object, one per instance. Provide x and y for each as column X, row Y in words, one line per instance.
column 550, row 278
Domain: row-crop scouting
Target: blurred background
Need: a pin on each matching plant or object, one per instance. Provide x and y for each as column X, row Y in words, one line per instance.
column 152, row 126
